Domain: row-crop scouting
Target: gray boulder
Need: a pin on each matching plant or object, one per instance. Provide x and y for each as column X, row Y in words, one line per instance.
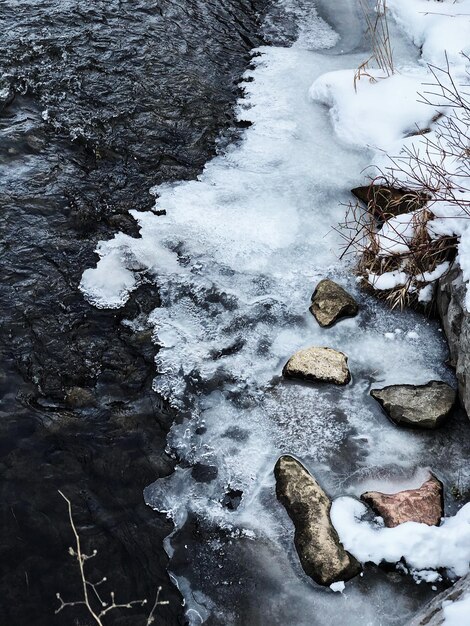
column 451, row 294
column 330, row 302
column 420, row 406
column 432, row 614
column 321, row 554
column 318, row 365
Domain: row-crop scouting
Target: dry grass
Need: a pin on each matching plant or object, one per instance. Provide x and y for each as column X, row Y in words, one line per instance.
column 379, row 35
column 361, row 230
column 436, row 173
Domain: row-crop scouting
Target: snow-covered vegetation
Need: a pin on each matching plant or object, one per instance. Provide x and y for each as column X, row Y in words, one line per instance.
column 416, row 121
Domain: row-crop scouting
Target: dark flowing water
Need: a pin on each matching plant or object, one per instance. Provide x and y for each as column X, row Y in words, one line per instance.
column 98, row 102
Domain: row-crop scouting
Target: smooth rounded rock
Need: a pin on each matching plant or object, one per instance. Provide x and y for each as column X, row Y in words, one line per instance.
column 423, row 505
column 330, row 303
column 321, row 553
column 419, row 406
column 318, row 365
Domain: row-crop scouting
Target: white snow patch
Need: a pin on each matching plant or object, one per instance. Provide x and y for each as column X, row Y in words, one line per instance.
column 375, row 113
column 423, row 547
column 388, row 280
column 457, row 613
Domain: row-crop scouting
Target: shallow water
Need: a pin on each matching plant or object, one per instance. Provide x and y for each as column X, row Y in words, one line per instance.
column 236, row 258
column 98, row 102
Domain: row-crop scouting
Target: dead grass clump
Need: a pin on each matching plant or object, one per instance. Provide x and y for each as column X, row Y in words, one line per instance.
column 362, row 232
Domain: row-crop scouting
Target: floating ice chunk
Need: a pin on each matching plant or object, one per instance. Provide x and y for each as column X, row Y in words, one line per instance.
column 338, row 586
column 108, row 285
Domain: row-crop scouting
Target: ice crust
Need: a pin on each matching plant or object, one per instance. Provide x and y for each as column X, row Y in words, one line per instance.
column 236, row 259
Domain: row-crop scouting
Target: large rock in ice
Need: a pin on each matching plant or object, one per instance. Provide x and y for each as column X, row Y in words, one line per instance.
column 451, row 295
column 421, row 406
column 330, row 302
column 384, row 202
column 318, row 365
column 321, row 554
column 433, row 614
column 423, row 505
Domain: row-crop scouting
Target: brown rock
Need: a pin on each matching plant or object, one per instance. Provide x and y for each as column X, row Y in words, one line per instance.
column 330, row 302
column 318, row 365
column 321, row 553
column 423, row 505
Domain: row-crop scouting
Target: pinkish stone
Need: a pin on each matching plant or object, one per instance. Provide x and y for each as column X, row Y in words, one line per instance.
column 424, row 505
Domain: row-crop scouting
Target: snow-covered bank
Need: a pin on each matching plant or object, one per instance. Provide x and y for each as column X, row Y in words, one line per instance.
column 417, row 121
column 236, row 258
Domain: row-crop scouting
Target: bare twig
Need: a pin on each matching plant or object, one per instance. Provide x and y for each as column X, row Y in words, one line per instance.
column 94, row 603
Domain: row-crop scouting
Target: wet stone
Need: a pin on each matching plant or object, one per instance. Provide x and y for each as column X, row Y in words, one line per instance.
column 321, row 553
column 419, row 406
column 330, row 303
column 318, row 365
column 423, row 505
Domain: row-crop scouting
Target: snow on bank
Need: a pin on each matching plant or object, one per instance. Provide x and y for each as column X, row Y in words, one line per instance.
column 423, row 547
column 391, row 116
column 457, row 613
column 440, row 29
column 374, row 113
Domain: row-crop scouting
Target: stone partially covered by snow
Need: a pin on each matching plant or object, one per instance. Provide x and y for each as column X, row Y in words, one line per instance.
column 423, row 547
